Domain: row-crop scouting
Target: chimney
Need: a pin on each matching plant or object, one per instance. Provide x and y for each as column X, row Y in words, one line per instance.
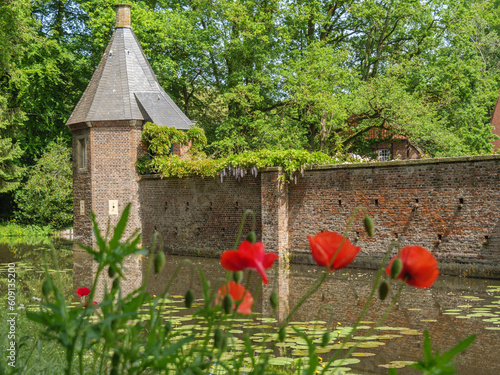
column 123, row 15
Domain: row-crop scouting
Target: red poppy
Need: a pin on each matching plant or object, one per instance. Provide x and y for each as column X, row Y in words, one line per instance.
column 83, row 292
column 420, row 267
column 250, row 256
column 238, row 293
column 324, row 248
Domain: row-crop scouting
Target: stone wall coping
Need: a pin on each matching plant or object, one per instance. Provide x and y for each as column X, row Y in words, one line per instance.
column 397, row 163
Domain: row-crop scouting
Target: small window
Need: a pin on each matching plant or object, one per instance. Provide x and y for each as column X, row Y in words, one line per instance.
column 384, row 154
column 81, row 153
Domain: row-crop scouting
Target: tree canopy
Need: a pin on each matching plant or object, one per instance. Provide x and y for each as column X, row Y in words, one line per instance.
column 277, row 74
column 315, row 75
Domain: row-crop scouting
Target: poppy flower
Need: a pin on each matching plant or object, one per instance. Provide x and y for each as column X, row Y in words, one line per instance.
column 324, row 248
column 420, row 267
column 83, row 292
column 238, row 293
column 250, row 256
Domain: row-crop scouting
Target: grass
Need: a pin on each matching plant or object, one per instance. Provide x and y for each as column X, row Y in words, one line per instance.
column 12, row 233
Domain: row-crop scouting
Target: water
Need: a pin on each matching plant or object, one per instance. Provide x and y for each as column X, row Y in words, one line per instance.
column 452, row 309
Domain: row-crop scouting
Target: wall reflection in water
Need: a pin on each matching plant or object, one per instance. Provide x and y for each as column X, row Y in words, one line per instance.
column 346, row 291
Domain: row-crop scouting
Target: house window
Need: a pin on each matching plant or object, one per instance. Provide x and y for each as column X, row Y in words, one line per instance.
column 384, row 154
column 81, row 153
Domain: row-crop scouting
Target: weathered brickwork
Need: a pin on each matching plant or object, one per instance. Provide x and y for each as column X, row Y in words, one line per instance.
column 450, row 206
column 196, row 215
column 274, row 193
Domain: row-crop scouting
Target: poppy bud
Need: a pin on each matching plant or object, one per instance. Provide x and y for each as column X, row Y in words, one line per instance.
column 325, row 339
column 47, row 287
column 116, row 283
column 237, row 276
column 159, row 261
column 383, row 290
column 111, row 272
column 368, row 222
column 274, row 300
column 168, row 327
column 251, row 237
column 396, row 268
column 227, row 303
column 219, row 339
column 189, row 298
column 282, row 334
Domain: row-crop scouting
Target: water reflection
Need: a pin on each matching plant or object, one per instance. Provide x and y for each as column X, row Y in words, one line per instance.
column 451, row 310
column 476, row 302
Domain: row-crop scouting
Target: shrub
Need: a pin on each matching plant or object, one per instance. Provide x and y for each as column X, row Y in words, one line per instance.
column 46, row 197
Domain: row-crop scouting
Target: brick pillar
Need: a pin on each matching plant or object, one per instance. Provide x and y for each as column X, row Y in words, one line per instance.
column 274, row 198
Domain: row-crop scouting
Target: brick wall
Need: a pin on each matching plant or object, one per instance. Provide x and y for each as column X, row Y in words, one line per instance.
column 450, row 206
column 197, row 215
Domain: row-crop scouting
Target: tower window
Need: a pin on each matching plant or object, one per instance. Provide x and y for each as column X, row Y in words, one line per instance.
column 81, row 153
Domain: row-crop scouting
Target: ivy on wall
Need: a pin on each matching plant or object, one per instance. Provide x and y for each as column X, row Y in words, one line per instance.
column 161, row 160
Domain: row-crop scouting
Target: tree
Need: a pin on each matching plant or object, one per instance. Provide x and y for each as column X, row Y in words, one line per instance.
column 51, row 74
column 46, row 198
column 10, row 152
column 275, row 74
column 14, row 21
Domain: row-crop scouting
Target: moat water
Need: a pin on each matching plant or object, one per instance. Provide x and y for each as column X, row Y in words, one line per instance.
column 452, row 309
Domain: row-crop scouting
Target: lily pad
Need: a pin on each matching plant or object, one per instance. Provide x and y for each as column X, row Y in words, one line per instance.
column 362, row 354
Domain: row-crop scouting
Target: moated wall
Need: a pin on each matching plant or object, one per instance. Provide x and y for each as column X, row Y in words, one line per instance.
column 451, row 206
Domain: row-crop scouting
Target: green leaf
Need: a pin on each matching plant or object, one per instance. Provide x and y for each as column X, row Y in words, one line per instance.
column 120, row 228
column 427, row 347
column 460, row 347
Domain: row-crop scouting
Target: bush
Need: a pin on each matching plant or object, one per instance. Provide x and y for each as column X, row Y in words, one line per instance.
column 46, row 197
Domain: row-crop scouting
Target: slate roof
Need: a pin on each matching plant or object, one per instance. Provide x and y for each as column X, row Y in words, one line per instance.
column 124, row 87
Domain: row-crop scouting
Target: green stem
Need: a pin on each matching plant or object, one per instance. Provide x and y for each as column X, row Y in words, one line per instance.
column 309, row 292
column 322, row 278
column 243, row 223
column 380, row 321
column 368, row 302
column 150, row 262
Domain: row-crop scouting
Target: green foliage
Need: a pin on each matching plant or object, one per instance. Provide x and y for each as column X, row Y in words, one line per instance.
column 160, row 160
column 440, row 364
column 160, row 139
column 292, row 162
column 14, row 21
column 14, row 233
column 10, row 151
column 46, row 198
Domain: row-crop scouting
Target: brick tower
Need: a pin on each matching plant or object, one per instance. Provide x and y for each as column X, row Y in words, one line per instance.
column 122, row 95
